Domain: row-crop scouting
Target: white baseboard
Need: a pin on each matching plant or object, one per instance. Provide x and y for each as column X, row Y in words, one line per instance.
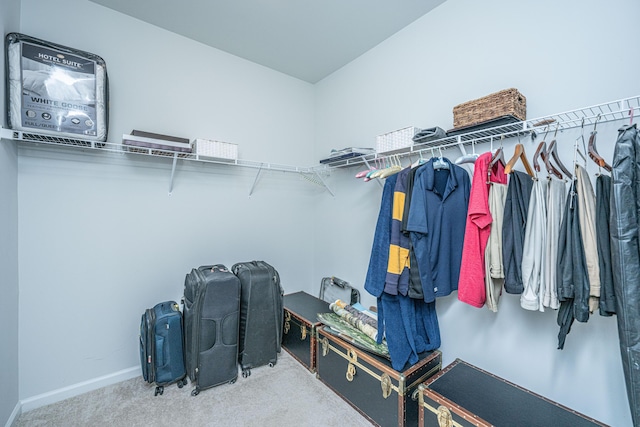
column 14, row 415
column 77, row 389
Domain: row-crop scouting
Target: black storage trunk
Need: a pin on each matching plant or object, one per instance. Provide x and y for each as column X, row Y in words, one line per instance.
column 211, row 322
column 368, row 382
column 464, row 395
column 300, row 323
column 261, row 315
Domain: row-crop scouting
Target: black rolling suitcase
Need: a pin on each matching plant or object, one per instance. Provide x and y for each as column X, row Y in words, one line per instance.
column 161, row 346
column 211, row 318
column 261, row 315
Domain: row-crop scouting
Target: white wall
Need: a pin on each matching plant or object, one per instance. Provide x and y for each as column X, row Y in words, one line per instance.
column 101, row 239
column 561, row 56
column 9, row 392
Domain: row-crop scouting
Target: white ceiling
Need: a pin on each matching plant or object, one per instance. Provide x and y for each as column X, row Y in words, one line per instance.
column 302, row 38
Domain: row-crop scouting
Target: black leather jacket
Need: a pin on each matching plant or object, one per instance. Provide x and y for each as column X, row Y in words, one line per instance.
column 625, row 257
column 572, row 277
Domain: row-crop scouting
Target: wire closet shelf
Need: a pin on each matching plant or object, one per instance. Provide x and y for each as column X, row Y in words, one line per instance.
column 623, row 109
column 619, row 110
column 34, row 137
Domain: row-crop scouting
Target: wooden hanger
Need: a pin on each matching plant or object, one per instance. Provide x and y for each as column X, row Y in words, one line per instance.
column 553, row 152
column 551, row 170
column 593, row 152
column 541, row 151
column 518, row 153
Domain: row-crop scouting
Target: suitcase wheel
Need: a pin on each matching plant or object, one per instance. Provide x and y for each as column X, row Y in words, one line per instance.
column 246, row 373
column 271, row 364
column 159, row 390
column 182, row 383
column 233, row 381
column 195, row 392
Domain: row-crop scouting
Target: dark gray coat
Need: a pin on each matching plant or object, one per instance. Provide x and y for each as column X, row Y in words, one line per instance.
column 572, row 274
column 625, row 257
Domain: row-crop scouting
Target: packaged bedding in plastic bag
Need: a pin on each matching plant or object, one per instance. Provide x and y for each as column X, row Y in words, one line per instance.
column 55, row 90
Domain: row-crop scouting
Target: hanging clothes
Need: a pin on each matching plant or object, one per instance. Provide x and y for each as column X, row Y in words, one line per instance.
column 535, row 241
column 415, row 286
column 437, row 214
column 471, row 288
column 397, row 278
column 379, row 259
column 410, row 326
column 556, row 196
column 516, row 208
column 625, row 257
column 572, row 275
column 494, row 268
column 587, row 202
column 603, row 210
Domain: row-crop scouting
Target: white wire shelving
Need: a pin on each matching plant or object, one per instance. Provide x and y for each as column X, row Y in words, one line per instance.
column 309, row 173
column 619, row 110
column 623, row 109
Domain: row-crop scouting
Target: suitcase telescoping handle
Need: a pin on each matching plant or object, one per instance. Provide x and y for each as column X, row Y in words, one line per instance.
column 213, row 268
column 339, row 282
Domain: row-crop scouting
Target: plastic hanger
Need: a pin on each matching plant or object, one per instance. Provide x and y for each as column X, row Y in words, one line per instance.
column 498, row 156
column 468, row 158
column 364, row 173
column 377, row 173
column 395, row 167
column 439, row 163
column 593, row 152
column 368, row 176
column 576, row 152
column 418, row 162
column 518, row 154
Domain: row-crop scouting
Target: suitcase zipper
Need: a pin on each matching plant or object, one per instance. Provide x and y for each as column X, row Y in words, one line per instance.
column 151, row 326
column 200, row 302
column 196, row 321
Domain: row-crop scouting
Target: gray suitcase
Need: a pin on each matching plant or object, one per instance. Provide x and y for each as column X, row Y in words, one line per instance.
column 211, row 321
column 332, row 289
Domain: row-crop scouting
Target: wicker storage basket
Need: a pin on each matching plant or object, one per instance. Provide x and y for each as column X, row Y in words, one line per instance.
column 508, row 102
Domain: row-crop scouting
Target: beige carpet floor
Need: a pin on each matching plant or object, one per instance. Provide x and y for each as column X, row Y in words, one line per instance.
column 285, row 395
